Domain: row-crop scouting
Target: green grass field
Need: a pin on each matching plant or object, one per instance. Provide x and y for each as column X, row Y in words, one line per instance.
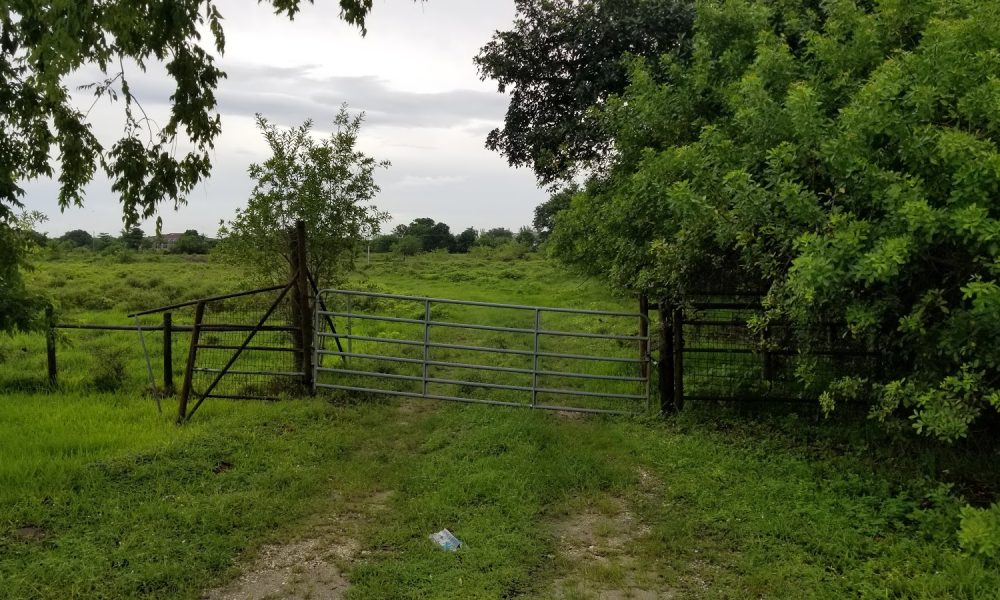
column 101, row 497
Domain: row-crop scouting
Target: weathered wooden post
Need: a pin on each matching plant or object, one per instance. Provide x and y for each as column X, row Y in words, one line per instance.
column 199, row 314
column 168, row 353
column 301, row 305
column 50, row 346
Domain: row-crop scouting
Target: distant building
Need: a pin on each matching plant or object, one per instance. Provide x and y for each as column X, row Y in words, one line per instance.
column 166, row 241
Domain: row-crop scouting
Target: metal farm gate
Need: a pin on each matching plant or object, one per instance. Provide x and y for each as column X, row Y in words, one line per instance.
column 482, row 352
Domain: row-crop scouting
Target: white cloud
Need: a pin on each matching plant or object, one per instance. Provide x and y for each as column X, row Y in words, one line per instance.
column 427, row 180
column 427, row 112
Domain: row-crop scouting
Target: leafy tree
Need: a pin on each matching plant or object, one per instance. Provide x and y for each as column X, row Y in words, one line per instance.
column 384, row 243
column 19, row 308
column 432, row 235
column 41, row 43
column 839, row 153
column 78, row 238
column 132, row 238
column 495, row 237
column 545, row 213
column 408, row 245
column 190, row 242
column 104, row 241
column 526, row 236
column 327, row 183
column 561, row 58
column 466, row 240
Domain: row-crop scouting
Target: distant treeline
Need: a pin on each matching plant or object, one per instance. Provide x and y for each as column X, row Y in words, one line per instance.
column 427, row 235
column 189, row 242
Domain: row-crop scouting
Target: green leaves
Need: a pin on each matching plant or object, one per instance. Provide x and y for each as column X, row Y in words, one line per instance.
column 561, row 58
column 847, row 154
column 327, row 183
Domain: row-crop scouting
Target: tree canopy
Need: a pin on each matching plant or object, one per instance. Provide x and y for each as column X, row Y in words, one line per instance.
column 545, row 213
column 78, row 238
column 432, row 235
column 42, row 43
column 560, row 59
column 45, row 134
column 841, row 154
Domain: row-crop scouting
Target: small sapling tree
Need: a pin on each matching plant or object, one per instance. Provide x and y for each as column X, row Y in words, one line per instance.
column 328, row 183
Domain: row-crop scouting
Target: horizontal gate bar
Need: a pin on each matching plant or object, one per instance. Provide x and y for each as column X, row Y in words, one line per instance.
column 441, row 363
column 351, row 388
column 248, row 348
column 455, row 325
column 577, row 311
column 590, row 394
column 619, row 359
column 422, row 322
column 108, row 327
column 366, row 338
column 273, row 288
column 239, row 327
column 592, row 376
column 369, row 374
column 235, row 372
column 498, row 386
column 401, row 359
column 495, row 386
column 243, row 397
column 481, row 349
column 420, row 361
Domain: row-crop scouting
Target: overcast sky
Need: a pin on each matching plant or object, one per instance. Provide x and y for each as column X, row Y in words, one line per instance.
column 427, row 112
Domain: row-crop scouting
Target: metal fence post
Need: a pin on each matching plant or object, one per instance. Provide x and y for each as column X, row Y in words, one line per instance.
column 427, row 340
column 534, row 368
column 666, row 368
column 644, row 333
column 350, row 334
column 317, row 342
column 678, row 330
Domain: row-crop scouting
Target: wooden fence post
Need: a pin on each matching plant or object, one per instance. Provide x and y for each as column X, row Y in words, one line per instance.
column 168, row 353
column 50, row 346
column 302, row 307
column 199, row 314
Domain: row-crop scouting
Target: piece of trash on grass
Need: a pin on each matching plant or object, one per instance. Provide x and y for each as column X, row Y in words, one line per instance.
column 446, row 540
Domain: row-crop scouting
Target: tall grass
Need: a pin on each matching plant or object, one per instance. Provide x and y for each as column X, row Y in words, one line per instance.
column 100, row 497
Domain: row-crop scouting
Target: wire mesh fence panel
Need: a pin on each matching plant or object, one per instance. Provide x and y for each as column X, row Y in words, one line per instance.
column 726, row 358
column 263, row 368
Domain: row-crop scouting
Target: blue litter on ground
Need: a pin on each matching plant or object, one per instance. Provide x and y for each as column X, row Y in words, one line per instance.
column 446, row 540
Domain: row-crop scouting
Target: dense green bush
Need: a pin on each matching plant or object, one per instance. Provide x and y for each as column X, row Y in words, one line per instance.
column 844, row 155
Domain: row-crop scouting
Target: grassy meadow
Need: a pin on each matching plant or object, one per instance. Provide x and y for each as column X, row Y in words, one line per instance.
column 102, row 497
